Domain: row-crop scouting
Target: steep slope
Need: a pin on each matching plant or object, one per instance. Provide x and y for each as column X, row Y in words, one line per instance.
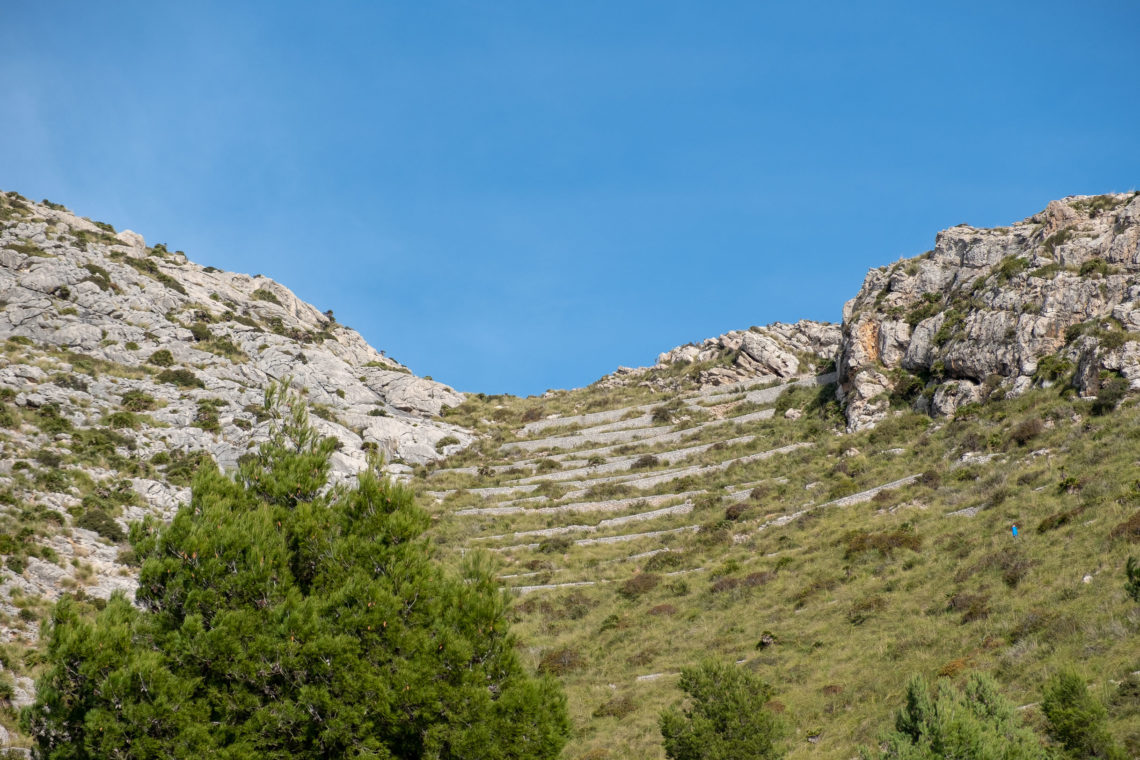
column 643, row 531
column 721, row 503
column 654, row 518
column 123, row 363
column 996, row 311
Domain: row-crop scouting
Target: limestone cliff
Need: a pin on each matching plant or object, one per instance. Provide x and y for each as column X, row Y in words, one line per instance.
column 1051, row 298
column 123, row 362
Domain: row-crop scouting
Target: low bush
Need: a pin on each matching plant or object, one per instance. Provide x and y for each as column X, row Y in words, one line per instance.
column 560, row 661
column 137, row 401
column 885, row 543
column 640, row 584
column 620, row 706
column 645, row 461
column 161, row 358
column 261, row 294
column 1059, row 519
column 447, row 440
column 1026, row 430
column 972, row 606
column 1129, row 530
column 183, row 378
column 100, row 522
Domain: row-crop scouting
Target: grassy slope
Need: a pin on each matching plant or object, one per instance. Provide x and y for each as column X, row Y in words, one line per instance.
column 850, row 623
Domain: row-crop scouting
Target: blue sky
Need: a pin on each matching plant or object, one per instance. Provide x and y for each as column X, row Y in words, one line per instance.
column 515, row 196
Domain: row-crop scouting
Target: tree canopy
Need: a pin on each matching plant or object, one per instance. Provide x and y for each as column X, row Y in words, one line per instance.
column 278, row 617
column 726, row 718
column 976, row 722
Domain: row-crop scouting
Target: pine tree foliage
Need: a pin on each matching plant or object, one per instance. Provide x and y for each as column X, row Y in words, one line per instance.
column 726, row 718
column 1132, row 574
column 1077, row 719
column 281, row 618
column 946, row 722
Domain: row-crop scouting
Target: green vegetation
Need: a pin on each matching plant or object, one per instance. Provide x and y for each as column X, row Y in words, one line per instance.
column 150, row 269
column 261, row 294
column 1132, row 573
column 835, row 604
column 727, row 717
column 1077, row 719
column 183, row 378
column 269, row 603
column 976, row 722
column 162, row 358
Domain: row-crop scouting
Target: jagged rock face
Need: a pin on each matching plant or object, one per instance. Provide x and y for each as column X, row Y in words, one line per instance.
column 992, row 310
column 170, row 357
column 776, row 351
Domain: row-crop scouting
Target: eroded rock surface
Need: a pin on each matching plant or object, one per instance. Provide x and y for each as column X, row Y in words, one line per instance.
column 122, row 362
column 997, row 310
column 774, row 352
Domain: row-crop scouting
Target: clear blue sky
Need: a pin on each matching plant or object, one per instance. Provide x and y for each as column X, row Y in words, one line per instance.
column 514, row 196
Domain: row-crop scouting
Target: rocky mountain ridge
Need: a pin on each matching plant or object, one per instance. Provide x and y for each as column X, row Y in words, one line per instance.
column 773, row 352
column 123, row 363
column 1051, row 298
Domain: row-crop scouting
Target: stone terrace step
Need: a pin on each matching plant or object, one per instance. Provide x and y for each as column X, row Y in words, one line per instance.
column 643, row 420
column 586, row 420
column 622, row 463
column 574, row 440
column 677, row 509
column 646, row 480
column 638, row 435
column 844, row 501
column 716, row 393
column 610, row 505
column 609, row 539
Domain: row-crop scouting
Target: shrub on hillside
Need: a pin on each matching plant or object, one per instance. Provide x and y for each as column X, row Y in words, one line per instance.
column 100, row 522
column 1059, row 519
column 1111, row 393
column 645, row 461
column 885, row 543
column 948, row 722
column 642, row 583
column 972, row 606
column 161, row 358
column 735, row 511
column 561, row 661
column 1132, row 575
column 137, row 401
column 725, row 717
column 1077, row 719
column 620, row 706
column 183, row 378
column 1026, row 430
column 1129, row 530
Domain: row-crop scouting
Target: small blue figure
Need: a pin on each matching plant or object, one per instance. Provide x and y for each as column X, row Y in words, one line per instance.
column 1015, row 531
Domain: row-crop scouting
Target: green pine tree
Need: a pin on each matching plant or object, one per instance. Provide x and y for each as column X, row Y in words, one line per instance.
column 726, row 718
column 279, row 618
column 1077, row 719
column 976, row 723
column 1132, row 574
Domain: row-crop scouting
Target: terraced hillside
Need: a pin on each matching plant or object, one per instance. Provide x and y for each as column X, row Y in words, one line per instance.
column 644, row 531
column 829, row 506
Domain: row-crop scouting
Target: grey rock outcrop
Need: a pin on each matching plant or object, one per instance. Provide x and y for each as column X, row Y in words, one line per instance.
column 997, row 310
column 120, row 362
column 773, row 352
